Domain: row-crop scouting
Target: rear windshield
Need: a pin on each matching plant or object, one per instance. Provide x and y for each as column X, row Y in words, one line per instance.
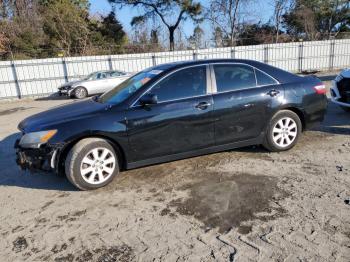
column 128, row 87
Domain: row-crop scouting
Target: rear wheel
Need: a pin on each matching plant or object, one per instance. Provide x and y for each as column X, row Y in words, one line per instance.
column 92, row 163
column 80, row 92
column 283, row 131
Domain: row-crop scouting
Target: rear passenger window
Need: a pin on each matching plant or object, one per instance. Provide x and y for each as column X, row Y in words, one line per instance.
column 185, row 83
column 264, row 79
column 116, row 74
column 234, row 77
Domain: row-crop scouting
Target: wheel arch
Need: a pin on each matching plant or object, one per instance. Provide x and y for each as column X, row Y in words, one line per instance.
column 65, row 150
column 297, row 111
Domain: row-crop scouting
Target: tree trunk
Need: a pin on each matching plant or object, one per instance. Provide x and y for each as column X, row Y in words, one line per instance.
column 171, row 39
column 277, row 32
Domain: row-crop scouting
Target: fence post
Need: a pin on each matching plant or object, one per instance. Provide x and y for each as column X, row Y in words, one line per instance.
column 195, row 55
column 266, row 54
column 110, row 63
column 300, row 57
column 65, row 70
column 154, row 62
column 331, row 56
column 233, row 53
column 15, row 77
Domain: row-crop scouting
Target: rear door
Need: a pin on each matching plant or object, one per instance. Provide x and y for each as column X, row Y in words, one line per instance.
column 243, row 100
column 180, row 122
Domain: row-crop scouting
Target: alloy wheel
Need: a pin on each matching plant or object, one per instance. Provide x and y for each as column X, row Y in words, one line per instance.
column 97, row 166
column 80, row 93
column 285, row 132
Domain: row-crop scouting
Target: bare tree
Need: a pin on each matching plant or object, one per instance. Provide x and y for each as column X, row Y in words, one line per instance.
column 226, row 15
column 313, row 19
column 196, row 39
column 3, row 42
column 181, row 41
column 171, row 13
column 21, row 26
column 67, row 28
column 308, row 19
column 280, row 7
column 218, row 37
column 339, row 14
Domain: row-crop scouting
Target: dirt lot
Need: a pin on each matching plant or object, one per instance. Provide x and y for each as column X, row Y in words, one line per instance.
column 242, row 205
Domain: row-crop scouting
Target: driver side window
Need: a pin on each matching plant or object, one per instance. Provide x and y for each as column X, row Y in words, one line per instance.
column 101, row 75
column 185, row 83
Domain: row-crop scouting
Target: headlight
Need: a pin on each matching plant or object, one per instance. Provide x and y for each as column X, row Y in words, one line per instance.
column 35, row 139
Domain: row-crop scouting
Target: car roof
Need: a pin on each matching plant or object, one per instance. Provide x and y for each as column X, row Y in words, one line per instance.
column 281, row 75
column 107, row 71
column 179, row 64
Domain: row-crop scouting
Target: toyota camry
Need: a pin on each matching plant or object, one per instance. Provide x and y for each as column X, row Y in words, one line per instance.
column 169, row 112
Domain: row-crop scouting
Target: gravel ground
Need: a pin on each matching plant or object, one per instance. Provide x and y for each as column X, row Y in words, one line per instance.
column 241, row 205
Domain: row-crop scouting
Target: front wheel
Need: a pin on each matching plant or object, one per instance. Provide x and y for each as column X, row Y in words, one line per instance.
column 91, row 163
column 80, row 92
column 283, row 131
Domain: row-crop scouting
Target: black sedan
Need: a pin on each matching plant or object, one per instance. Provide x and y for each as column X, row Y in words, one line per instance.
column 169, row 112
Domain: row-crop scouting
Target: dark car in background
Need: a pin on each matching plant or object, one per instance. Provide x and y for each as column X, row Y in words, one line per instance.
column 169, row 112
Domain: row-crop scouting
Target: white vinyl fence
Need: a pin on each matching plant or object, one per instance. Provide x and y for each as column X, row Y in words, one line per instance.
column 42, row 76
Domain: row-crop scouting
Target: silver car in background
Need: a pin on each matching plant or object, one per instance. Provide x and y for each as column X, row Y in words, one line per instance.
column 95, row 83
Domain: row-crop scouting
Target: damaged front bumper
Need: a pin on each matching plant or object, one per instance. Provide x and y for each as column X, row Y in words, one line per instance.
column 43, row 158
column 66, row 91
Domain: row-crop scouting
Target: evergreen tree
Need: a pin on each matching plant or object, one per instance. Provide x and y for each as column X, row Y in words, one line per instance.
column 112, row 30
column 317, row 19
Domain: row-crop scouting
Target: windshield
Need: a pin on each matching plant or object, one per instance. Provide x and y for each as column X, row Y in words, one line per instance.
column 128, row 87
column 88, row 77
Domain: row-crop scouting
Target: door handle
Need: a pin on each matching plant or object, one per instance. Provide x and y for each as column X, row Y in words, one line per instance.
column 203, row 105
column 273, row 92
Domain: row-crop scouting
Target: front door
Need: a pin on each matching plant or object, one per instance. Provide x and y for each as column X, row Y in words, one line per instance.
column 181, row 121
column 100, row 84
column 243, row 102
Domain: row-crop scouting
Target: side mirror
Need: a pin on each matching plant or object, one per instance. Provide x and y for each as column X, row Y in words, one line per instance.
column 148, row 99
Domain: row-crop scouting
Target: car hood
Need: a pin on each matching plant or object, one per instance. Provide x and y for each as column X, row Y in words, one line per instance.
column 71, row 83
column 343, row 74
column 60, row 114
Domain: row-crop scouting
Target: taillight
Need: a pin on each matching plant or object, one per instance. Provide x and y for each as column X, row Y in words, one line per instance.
column 320, row 89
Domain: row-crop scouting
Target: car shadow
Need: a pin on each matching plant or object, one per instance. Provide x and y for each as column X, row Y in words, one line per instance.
column 11, row 175
column 250, row 149
column 54, row 96
column 336, row 121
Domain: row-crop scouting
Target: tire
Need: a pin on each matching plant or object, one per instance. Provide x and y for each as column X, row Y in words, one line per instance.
column 345, row 108
column 80, row 92
column 91, row 163
column 279, row 137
